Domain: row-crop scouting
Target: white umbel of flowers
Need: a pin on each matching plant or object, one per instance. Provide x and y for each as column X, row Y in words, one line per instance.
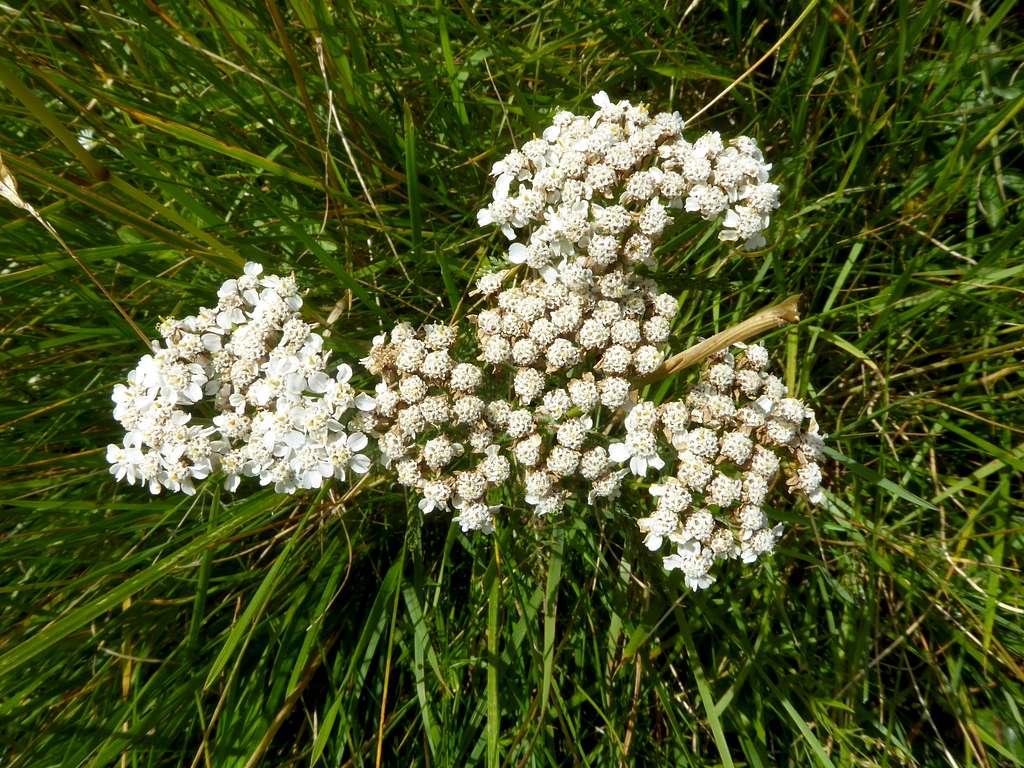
column 546, row 400
column 241, row 388
column 731, row 437
column 596, row 192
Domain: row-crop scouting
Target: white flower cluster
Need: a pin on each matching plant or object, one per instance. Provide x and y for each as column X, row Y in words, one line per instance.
column 548, row 328
column 587, row 203
column 569, row 350
column 731, row 436
column 594, row 193
column 450, row 439
column 427, row 412
column 561, row 345
column 241, row 388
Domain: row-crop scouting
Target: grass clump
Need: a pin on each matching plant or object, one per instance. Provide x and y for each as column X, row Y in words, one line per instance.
column 351, row 145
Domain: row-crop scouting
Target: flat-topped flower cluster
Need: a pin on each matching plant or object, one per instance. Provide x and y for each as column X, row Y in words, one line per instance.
column 730, row 437
column 539, row 401
column 240, row 388
column 595, row 192
column 428, row 415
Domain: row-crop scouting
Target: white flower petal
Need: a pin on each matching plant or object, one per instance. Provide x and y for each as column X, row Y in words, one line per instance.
column 638, row 466
column 295, row 383
column 344, row 373
column 653, row 541
column 618, row 452
column 501, row 186
column 672, row 562
column 318, row 382
column 518, row 253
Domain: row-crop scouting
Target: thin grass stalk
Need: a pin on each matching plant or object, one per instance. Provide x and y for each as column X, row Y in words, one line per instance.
column 50, row 121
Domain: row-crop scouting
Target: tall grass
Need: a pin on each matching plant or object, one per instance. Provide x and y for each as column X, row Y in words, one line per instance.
column 350, row 143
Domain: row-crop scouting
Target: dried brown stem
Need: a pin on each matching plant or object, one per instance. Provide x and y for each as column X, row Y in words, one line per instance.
column 767, row 319
column 9, row 192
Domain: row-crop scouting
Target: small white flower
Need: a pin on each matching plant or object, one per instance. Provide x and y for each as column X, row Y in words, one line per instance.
column 657, row 527
column 436, row 495
column 475, row 516
column 125, row 464
column 694, row 562
column 640, row 449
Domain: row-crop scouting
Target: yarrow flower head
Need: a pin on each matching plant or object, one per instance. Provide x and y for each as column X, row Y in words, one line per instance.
column 430, row 423
column 242, row 388
column 542, row 395
column 731, row 437
column 595, row 193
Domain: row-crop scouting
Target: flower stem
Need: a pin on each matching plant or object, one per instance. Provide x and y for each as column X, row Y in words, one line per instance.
column 767, row 319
